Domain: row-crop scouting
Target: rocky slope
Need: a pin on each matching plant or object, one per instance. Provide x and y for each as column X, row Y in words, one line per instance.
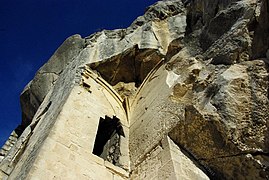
column 216, row 55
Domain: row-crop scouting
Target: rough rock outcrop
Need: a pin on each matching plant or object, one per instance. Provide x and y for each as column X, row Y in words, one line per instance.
column 36, row 90
column 193, row 78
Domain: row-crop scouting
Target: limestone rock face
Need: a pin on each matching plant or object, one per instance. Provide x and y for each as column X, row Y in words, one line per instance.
column 36, row 90
column 226, row 121
column 188, row 82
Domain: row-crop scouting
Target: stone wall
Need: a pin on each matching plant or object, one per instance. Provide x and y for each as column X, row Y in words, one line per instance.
column 68, row 149
column 166, row 161
column 188, row 82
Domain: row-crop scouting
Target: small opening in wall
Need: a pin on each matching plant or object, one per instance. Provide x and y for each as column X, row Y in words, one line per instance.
column 107, row 141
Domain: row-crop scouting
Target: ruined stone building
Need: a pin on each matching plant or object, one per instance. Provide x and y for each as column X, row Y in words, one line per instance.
column 183, row 93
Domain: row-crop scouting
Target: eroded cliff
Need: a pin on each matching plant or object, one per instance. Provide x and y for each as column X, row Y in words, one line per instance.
column 195, row 71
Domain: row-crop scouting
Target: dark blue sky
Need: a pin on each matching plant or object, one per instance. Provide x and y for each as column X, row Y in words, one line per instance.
column 31, row 30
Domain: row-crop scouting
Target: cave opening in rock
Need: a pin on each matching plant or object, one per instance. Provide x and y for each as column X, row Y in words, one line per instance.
column 107, row 141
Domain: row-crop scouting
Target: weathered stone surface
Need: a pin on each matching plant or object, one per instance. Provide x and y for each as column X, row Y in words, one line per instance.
column 108, row 44
column 188, row 81
column 36, row 90
column 8, row 145
column 125, row 89
column 227, row 119
column 226, row 38
column 261, row 29
column 167, row 161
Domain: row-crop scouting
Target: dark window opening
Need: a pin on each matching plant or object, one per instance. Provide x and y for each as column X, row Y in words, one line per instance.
column 107, row 141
